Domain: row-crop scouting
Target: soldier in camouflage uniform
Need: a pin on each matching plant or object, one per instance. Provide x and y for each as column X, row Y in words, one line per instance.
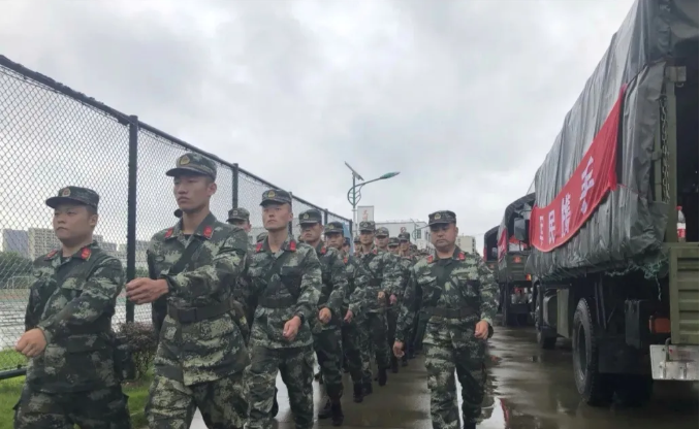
column 326, row 326
column 73, row 376
column 460, row 296
column 405, row 266
column 392, row 312
column 385, row 279
column 240, row 217
column 195, row 265
column 408, row 258
column 354, row 337
column 286, row 278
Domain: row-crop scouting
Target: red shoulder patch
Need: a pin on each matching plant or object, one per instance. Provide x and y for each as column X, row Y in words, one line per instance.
column 208, row 231
column 258, row 247
column 51, row 254
column 292, row 246
column 169, row 233
column 323, row 250
column 430, row 259
column 461, row 256
column 85, row 254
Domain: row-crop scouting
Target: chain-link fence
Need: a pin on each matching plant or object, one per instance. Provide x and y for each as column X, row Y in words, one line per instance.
column 52, row 136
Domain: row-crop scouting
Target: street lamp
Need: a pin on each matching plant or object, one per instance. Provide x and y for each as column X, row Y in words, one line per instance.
column 354, row 194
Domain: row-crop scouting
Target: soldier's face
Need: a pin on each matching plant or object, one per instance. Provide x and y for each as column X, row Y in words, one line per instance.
column 405, row 246
column 277, row 216
column 311, row 232
column 394, row 249
column 242, row 224
column 443, row 235
column 366, row 238
column 192, row 192
column 335, row 239
column 73, row 222
column 382, row 241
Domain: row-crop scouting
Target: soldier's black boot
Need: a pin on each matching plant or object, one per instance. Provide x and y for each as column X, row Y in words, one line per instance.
column 381, row 376
column 358, row 393
column 394, row 365
column 367, row 389
column 337, row 416
column 326, row 410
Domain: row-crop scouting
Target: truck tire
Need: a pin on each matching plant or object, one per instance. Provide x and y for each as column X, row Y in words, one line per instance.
column 595, row 388
column 545, row 342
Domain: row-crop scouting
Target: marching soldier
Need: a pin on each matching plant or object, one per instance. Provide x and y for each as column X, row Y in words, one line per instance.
column 326, row 326
column 286, row 278
column 385, row 278
column 201, row 352
column 460, row 297
column 407, row 259
column 354, row 337
column 73, row 376
column 358, row 245
column 240, row 217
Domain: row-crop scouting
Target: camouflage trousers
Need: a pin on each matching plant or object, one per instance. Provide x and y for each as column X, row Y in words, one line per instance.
column 171, row 404
column 441, row 362
column 296, row 365
column 98, row 409
column 328, row 344
column 357, row 351
column 377, row 330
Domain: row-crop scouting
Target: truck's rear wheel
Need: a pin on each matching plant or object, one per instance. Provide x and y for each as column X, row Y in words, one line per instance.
column 595, row 388
column 545, row 342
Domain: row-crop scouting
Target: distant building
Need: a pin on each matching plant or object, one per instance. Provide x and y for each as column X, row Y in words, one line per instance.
column 420, row 234
column 467, row 243
column 15, row 240
column 41, row 241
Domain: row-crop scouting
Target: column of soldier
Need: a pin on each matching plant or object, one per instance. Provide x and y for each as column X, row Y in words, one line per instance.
column 230, row 316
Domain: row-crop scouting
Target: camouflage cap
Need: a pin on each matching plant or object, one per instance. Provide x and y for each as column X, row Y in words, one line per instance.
column 393, row 242
column 74, row 195
column 178, row 213
column 310, row 217
column 333, row 228
column 368, row 225
column 262, row 236
column 193, row 164
column 442, row 217
column 404, row 236
column 276, row 196
column 238, row 213
column 382, row 232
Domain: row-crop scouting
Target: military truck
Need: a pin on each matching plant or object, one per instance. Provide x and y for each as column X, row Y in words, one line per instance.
column 611, row 270
column 491, row 249
column 514, row 283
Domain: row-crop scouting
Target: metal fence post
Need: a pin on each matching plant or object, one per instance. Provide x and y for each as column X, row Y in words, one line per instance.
column 325, row 216
column 234, row 184
column 131, row 209
column 290, row 225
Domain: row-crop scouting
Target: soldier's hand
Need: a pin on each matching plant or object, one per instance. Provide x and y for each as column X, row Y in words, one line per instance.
column 380, row 295
column 291, row 328
column 143, row 290
column 482, row 330
column 393, row 299
column 31, row 343
column 398, row 349
column 348, row 316
column 324, row 316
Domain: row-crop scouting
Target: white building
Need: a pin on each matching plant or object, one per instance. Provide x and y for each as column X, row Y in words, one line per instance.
column 467, row 243
column 420, row 234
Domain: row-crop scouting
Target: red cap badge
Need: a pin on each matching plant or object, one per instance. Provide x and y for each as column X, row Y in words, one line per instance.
column 207, row 232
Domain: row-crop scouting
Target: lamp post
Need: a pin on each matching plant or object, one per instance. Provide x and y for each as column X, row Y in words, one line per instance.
column 354, row 194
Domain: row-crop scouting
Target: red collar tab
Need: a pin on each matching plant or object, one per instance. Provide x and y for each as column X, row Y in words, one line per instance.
column 431, row 259
column 345, row 260
column 259, row 247
column 323, row 250
column 169, row 233
column 208, row 231
column 51, row 254
column 461, row 256
column 292, row 246
column 85, row 254
column 374, row 251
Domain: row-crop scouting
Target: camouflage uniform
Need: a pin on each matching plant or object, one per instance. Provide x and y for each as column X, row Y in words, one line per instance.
column 242, row 290
column 355, row 348
column 287, row 284
column 201, row 352
column 75, row 379
column 404, row 264
column 384, row 277
column 328, row 338
column 261, row 237
column 457, row 292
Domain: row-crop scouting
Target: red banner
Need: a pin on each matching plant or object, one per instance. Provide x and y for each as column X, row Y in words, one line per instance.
column 503, row 244
column 555, row 224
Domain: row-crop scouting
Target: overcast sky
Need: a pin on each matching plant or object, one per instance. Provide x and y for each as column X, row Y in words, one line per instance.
column 464, row 98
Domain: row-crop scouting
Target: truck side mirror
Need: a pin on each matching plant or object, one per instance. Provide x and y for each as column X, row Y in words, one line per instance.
column 520, row 229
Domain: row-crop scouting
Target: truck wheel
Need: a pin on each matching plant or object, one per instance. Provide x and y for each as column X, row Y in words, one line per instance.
column 544, row 341
column 633, row 390
column 595, row 388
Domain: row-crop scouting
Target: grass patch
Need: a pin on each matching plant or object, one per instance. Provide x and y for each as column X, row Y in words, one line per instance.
column 10, row 359
column 10, row 390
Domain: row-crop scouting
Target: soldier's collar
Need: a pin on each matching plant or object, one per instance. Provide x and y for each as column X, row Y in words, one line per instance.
column 84, row 253
column 457, row 255
column 205, row 228
column 289, row 245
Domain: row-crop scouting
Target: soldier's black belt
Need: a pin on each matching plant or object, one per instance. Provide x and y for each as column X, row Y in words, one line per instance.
column 197, row 314
column 277, row 301
column 450, row 313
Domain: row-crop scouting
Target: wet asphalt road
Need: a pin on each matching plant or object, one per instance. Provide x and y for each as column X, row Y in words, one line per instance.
column 527, row 389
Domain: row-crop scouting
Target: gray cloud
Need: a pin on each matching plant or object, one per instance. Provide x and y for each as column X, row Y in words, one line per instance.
column 464, row 98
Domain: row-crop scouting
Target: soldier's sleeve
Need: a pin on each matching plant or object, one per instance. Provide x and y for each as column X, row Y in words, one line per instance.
column 489, row 292
column 392, row 277
column 310, row 288
column 159, row 307
column 407, row 309
column 32, row 315
column 223, row 270
column 241, row 287
column 99, row 293
column 359, row 297
column 339, row 280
